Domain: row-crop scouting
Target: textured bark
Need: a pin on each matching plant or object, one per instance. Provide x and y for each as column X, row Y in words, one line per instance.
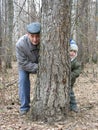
column 0, row 38
column 51, row 99
column 9, row 33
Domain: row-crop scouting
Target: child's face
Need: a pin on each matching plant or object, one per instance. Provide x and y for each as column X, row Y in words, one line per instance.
column 72, row 53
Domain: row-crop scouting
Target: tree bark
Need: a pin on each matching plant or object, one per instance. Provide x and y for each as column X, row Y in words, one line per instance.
column 9, row 34
column 0, row 38
column 51, row 98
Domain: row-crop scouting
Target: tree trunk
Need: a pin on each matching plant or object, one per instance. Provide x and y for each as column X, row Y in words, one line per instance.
column 82, row 31
column 0, row 38
column 85, row 30
column 97, row 20
column 10, row 32
column 51, row 98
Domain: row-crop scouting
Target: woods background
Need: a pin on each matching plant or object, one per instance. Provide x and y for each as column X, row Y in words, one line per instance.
column 16, row 14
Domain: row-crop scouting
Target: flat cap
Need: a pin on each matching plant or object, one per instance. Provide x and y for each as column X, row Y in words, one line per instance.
column 34, row 28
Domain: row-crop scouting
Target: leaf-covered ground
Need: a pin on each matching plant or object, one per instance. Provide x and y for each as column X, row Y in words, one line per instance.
column 86, row 90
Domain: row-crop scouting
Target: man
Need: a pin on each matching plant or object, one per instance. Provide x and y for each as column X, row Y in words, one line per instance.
column 27, row 53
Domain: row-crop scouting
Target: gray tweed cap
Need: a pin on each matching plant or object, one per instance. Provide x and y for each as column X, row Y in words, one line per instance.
column 34, row 28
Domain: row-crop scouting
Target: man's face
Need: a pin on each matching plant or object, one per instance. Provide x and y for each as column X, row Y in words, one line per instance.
column 34, row 38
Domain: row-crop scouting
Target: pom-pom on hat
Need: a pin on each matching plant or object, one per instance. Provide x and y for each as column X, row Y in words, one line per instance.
column 34, row 28
column 72, row 41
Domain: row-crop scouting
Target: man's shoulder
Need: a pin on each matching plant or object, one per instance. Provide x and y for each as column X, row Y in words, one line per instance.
column 21, row 41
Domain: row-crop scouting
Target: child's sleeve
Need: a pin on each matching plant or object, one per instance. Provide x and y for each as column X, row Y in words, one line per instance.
column 76, row 71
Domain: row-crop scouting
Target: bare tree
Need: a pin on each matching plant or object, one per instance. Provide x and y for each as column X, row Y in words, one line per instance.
column 83, row 28
column 97, row 20
column 9, row 33
column 0, row 37
column 25, row 12
column 51, row 99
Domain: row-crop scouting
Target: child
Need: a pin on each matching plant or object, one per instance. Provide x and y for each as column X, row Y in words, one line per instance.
column 75, row 72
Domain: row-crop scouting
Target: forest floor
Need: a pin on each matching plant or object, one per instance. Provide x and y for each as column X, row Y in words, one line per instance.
column 86, row 90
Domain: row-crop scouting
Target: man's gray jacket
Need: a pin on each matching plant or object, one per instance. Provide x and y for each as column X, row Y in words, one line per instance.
column 27, row 55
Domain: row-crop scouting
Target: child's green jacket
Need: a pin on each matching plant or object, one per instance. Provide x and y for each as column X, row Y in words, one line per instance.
column 75, row 70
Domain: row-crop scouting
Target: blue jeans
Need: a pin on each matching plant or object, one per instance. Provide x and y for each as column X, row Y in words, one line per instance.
column 24, row 90
column 73, row 103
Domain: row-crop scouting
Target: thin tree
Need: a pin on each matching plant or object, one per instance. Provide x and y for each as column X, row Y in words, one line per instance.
column 9, row 34
column 0, row 37
column 97, row 20
column 85, row 29
column 51, row 98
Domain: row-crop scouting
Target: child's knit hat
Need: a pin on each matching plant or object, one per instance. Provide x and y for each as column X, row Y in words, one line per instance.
column 74, row 47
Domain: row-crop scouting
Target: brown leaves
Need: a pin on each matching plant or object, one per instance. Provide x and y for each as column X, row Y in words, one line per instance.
column 87, row 98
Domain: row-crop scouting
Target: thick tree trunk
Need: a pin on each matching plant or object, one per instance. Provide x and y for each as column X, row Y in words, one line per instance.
column 51, row 99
